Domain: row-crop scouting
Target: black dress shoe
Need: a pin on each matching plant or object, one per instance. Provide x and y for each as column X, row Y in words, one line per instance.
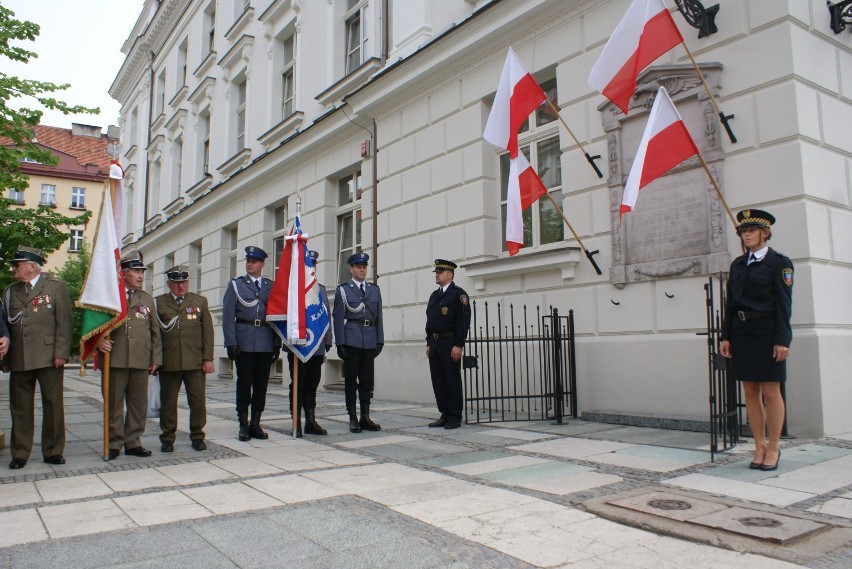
column 55, row 459
column 440, row 422
column 453, row 424
column 18, row 463
column 199, row 444
column 167, row 446
column 113, row 454
column 137, row 451
column 768, row 467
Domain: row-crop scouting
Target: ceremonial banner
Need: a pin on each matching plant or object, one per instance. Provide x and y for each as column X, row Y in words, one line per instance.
column 665, row 144
column 646, row 32
column 294, row 310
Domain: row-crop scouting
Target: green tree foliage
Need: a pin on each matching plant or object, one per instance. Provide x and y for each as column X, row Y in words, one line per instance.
column 73, row 272
column 41, row 227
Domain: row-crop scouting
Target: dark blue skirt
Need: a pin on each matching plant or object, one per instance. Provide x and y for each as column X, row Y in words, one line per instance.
column 751, row 351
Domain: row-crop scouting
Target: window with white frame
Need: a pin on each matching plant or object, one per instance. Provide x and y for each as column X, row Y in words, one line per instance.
column 355, row 20
column 48, row 194
column 161, row 95
column 75, row 241
column 538, row 139
column 16, row 196
column 280, row 230
column 181, row 63
column 78, row 198
column 154, row 193
column 209, row 35
column 204, row 147
column 177, row 169
column 240, row 111
column 134, row 120
column 288, row 76
column 231, row 240
column 195, row 255
column 348, row 221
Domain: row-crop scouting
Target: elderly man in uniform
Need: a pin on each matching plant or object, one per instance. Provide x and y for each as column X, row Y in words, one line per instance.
column 38, row 311
column 359, row 334
column 186, row 328
column 310, row 373
column 4, row 332
column 251, row 343
column 447, row 321
column 135, row 352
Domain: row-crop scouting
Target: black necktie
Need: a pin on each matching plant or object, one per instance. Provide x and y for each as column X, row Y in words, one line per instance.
column 751, row 258
column 29, row 288
column 362, row 289
column 257, row 284
column 179, row 300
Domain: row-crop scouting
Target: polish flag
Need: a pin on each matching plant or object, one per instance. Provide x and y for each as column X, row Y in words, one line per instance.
column 525, row 187
column 665, row 144
column 646, row 32
column 518, row 95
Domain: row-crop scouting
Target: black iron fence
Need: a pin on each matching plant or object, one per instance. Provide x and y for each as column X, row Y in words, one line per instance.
column 525, row 365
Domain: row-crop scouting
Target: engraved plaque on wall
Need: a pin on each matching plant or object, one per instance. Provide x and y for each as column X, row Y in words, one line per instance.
column 677, row 227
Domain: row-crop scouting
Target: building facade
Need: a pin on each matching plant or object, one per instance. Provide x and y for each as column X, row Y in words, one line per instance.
column 371, row 113
column 72, row 186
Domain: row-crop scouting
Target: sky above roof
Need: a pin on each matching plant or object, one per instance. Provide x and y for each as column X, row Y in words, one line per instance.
column 80, row 43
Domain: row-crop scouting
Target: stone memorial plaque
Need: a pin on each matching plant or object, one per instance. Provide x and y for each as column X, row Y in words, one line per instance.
column 677, row 227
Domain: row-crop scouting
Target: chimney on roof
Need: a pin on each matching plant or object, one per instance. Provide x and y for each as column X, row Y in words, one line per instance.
column 113, row 131
column 85, row 130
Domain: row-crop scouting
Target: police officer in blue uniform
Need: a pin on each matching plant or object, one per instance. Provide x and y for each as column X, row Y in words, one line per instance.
column 447, row 321
column 360, row 337
column 251, row 343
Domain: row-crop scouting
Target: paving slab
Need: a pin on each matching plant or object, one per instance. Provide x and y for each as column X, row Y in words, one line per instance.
column 742, row 490
column 84, row 518
column 668, row 505
column 764, row 525
column 18, row 494
column 161, row 508
column 21, row 526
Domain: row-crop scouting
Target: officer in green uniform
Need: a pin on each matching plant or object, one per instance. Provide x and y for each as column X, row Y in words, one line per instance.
column 186, row 328
column 38, row 312
column 135, row 352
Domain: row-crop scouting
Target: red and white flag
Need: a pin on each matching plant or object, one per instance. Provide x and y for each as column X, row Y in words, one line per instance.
column 665, row 144
column 518, row 95
column 646, row 32
column 286, row 306
column 525, row 187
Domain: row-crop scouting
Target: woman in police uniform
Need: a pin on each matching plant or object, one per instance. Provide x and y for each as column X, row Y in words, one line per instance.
column 757, row 333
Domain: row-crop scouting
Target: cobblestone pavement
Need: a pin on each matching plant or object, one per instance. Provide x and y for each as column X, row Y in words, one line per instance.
column 518, row 494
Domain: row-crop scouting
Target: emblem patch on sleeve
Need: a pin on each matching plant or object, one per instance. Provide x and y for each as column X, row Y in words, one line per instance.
column 463, row 298
column 787, row 274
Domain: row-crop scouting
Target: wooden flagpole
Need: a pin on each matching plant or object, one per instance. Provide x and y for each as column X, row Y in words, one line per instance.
column 722, row 116
column 295, row 391
column 105, row 388
column 590, row 159
column 589, row 254
column 718, row 191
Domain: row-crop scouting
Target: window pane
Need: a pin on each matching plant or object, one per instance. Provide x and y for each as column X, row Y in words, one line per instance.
column 552, row 228
column 545, row 113
column 504, row 177
column 528, row 230
column 549, row 163
column 288, row 50
column 358, row 228
column 346, row 233
column 280, row 218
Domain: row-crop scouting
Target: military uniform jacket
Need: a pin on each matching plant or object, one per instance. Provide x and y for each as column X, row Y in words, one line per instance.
column 357, row 316
column 186, row 330
column 763, row 286
column 40, row 324
column 448, row 312
column 136, row 341
column 243, row 306
column 4, row 329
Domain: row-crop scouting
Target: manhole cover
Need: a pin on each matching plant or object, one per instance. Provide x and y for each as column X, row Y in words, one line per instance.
column 757, row 522
column 669, row 505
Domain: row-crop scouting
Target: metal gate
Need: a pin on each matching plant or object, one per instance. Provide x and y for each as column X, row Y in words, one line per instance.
column 725, row 407
column 525, row 366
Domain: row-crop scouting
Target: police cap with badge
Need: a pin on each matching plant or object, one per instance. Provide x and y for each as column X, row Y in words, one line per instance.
column 749, row 218
column 255, row 253
column 133, row 260
column 28, row 254
column 444, row 265
column 358, row 259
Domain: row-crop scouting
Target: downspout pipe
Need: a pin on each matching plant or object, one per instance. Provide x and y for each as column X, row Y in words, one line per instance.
column 375, row 202
column 148, row 139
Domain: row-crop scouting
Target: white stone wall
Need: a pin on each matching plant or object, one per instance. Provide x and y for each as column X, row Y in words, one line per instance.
column 786, row 77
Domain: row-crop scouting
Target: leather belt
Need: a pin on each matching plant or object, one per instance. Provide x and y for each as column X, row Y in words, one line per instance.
column 439, row 335
column 257, row 323
column 365, row 323
column 745, row 315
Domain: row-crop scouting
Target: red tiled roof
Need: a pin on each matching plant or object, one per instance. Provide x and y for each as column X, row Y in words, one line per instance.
column 86, row 149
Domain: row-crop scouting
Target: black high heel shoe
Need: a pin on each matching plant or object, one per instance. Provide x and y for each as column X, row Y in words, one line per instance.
column 768, row 467
column 756, row 465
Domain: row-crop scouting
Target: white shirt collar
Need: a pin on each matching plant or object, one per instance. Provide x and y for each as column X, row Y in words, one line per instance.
column 35, row 280
column 760, row 254
column 358, row 283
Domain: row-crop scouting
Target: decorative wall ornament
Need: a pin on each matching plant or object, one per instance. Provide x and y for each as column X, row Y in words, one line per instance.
column 840, row 14
column 699, row 17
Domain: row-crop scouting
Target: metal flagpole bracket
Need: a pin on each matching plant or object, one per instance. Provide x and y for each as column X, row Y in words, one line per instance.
column 724, row 118
column 699, row 17
column 841, row 15
column 591, row 160
column 591, row 256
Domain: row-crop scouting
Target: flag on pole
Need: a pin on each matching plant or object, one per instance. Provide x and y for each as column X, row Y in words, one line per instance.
column 665, row 144
column 518, row 95
column 525, row 187
column 116, row 175
column 295, row 310
column 646, row 32
column 103, row 297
